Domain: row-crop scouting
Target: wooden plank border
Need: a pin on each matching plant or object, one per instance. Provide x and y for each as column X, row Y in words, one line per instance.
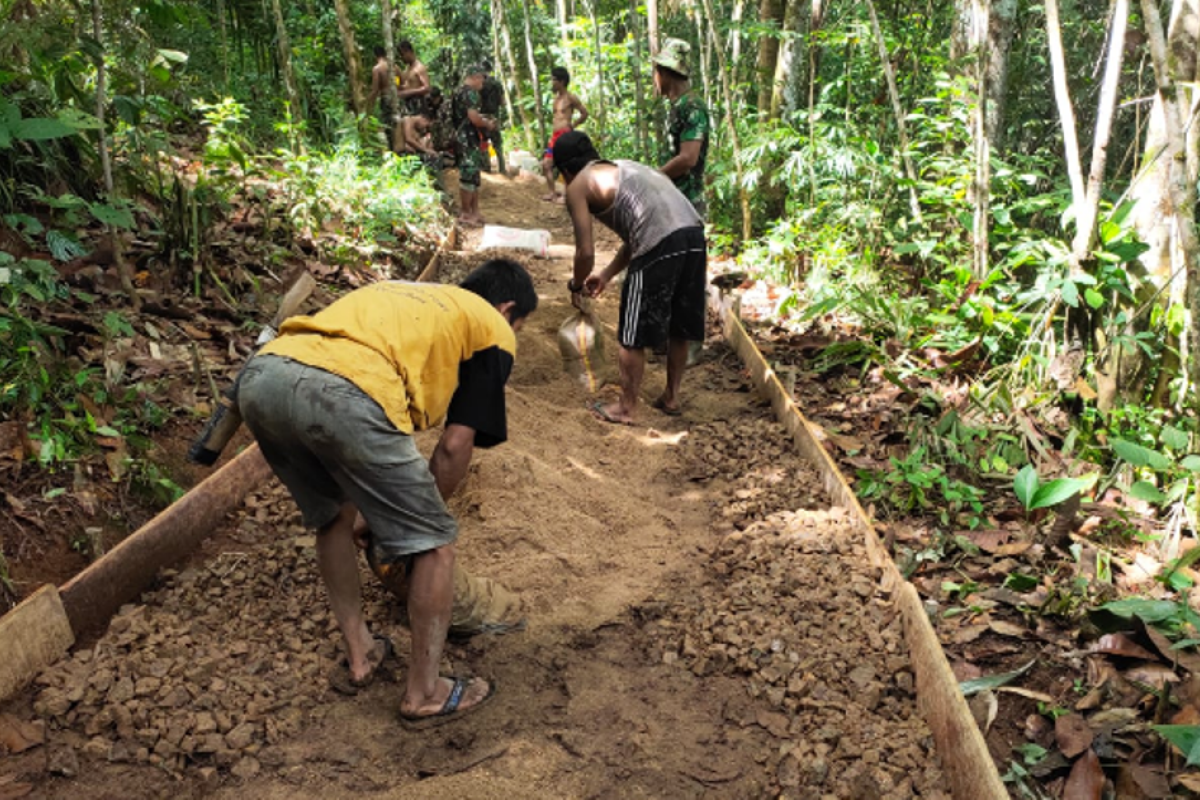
column 966, row 761
column 32, row 635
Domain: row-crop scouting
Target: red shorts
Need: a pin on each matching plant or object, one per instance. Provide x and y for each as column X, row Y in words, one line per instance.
column 554, row 138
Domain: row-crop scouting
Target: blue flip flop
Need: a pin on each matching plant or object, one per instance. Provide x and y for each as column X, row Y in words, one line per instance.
column 449, row 710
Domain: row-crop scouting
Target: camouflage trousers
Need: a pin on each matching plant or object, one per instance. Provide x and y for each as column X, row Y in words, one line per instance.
column 470, row 159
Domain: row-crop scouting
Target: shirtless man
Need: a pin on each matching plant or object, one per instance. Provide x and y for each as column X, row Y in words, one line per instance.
column 380, row 75
column 413, row 139
column 414, row 81
column 565, row 106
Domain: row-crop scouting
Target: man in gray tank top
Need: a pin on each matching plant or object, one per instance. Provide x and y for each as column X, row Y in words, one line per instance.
column 663, row 294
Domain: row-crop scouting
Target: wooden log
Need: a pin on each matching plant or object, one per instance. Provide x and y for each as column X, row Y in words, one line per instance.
column 120, row 575
column 965, row 759
column 429, row 274
column 33, row 636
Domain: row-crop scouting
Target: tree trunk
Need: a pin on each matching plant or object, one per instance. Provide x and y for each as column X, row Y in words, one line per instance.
column 564, row 32
column 599, row 99
column 814, row 63
column 784, row 99
column 652, row 26
column 224, row 38
column 1066, row 115
column 894, row 93
column 639, row 92
column 735, row 42
column 981, row 185
column 768, row 51
column 533, row 73
column 743, row 194
column 353, row 65
column 289, row 79
column 1181, row 188
column 389, row 46
column 1002, row 23
column 506, row 42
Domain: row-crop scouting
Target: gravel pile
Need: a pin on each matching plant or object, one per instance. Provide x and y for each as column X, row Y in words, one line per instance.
column 211, row 669
column 454, row 265
column 794, row 606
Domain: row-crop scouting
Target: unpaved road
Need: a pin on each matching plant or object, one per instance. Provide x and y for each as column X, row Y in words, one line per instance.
column 698, row 624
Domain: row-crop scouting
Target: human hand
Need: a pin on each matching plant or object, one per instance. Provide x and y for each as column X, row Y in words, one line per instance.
column 361, row 532
column 593, row 285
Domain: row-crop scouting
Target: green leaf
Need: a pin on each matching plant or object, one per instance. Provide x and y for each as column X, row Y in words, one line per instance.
column 1093, row 298
column 174, row 56
column 1145, row 609
column 1191, row 463
column 5, row 137
column 1185, row 737
column 977, row 685
column 1070, row 294
column 107, row 430
column 1019, row 582
column 1026, row 484
column 1140, row 456
column 1174, row 438
column 1144, row 490
column 111, row 215
column 39, row 129
column 1056, row 491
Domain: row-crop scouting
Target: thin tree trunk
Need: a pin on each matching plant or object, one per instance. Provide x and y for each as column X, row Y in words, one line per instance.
column 981, row 187
column 603, row 115
column 639, row 91
column 224, row 44
column 116, row 237
column 735, row 42
column 533, row 73
column 705, row 50
column 564, row 32
column 791, row 46
column 814, row 60
column 743, row 194
column 890, row 74
column 508, row 58
column 1002, row 22
column 1062, row 97
column 1182, row 191
column 389, row 46
column 289, row 79
column 353, row 65
column 652, row 26
column 768, row 51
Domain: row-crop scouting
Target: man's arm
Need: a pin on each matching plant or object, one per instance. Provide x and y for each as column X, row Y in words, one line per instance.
column 377, row 86
column 581, row 220
column 451, row 458
column 577, row 105
column 480, row 121
column 682, row 163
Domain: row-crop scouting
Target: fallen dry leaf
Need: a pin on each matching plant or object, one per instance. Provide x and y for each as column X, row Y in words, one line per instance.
column 1188, row 659
column 1151, row 674
column 1005, row 628
column 1072, row 734
column 1119, row 644
column 1086, row 781
column 17, row 735
column 1140, row 782
column 1189, row 781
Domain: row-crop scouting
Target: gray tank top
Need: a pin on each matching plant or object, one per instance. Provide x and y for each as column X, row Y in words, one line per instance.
column 647, row 208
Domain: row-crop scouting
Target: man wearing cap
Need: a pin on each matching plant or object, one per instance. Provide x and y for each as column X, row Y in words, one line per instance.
column 472, row 127
column 688, row 123
column 662, row 296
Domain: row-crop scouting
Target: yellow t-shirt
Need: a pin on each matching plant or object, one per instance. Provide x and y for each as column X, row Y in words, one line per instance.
column 402, row 343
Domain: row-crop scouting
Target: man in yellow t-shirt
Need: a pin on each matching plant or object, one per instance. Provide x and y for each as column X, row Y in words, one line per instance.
column 333, row 401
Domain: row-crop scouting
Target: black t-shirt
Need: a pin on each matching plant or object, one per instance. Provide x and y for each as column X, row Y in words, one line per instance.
column 491, row 97
column 478, row 401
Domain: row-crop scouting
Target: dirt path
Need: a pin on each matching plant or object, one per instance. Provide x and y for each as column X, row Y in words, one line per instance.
column 696, row 624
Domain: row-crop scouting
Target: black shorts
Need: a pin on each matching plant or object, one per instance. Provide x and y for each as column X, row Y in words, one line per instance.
column 664, row 293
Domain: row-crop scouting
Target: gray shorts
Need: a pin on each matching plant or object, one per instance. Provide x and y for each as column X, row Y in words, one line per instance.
column 329, row 442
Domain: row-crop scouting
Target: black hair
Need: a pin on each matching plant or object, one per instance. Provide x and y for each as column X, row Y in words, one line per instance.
column 573, row 151
column 380, row 52
column 404, row 47
column 500, row 280
column 679, row 76
column 563, row 76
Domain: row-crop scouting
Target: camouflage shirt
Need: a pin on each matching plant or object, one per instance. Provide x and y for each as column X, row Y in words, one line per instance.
column 689, row 122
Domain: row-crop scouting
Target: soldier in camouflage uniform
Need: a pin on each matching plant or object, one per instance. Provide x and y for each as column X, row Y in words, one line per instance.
column 688, row 124
column 472, row 127
column 491, row 97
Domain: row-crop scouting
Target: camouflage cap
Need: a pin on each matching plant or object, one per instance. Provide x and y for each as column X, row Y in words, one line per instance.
column 674, row 56
column 475, row 69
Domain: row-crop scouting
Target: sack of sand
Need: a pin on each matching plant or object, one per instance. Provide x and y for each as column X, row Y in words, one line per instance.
column 481, row 605
column 582, row 346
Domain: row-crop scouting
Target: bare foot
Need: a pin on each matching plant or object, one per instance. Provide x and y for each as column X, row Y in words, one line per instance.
column 670, row 409
column 550, row 197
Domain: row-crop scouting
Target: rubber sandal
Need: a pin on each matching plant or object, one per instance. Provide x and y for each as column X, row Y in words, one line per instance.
column 664, row 408
column 449, row 711
column 600, row 413
column 341, row 681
